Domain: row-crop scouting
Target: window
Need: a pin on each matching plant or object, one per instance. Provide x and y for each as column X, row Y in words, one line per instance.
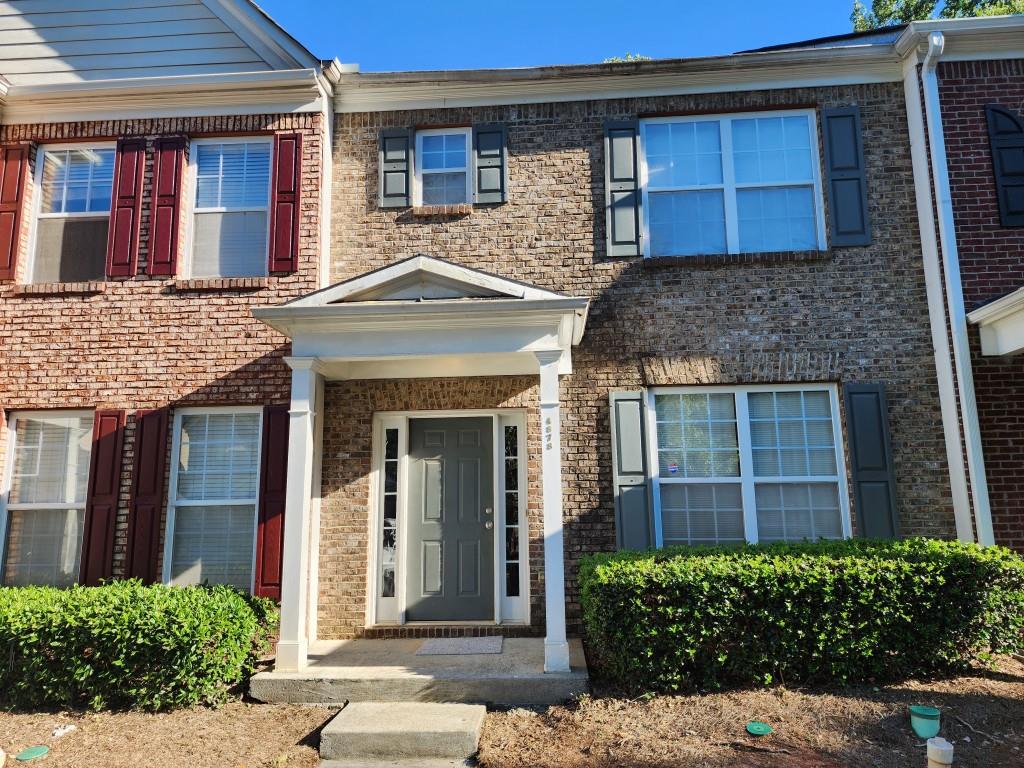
column 442, row 167
column 214, row 487
column 389, row 539
column 752, row 464
column 73, row 213
column 511, row 528
column 231, row 218
column 45, row 506
column 737, row 184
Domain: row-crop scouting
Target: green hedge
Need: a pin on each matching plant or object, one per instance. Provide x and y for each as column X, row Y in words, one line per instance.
column 684, row 618
column 127, row 645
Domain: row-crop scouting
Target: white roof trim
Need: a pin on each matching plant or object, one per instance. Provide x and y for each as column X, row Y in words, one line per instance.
column 294, row 90
column 1001, row 324
column 497, row 328
column 477, row 284
column 261, row 33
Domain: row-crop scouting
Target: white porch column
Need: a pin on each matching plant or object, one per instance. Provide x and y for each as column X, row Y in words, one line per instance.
column 293, row 645
column 556, row 648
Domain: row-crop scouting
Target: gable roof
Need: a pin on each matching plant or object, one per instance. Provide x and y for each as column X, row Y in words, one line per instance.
column 53, row 42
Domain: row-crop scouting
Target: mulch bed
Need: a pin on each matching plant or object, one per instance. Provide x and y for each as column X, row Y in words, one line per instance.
column 983, row 715
column 235, row 735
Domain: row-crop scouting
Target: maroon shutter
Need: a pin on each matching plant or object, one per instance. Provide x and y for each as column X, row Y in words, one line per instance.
column 126, row 208
column 273, row 480
column 147, row 495
column 13, row 172
column 101, row 503
column 284, row 208
column 168, row 168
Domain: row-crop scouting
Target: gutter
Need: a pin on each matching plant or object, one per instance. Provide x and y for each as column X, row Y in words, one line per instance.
column 954, row 290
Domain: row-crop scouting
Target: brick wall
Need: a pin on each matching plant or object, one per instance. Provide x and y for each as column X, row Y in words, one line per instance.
column 854, row 314
column 143, row 342
column 991, row 264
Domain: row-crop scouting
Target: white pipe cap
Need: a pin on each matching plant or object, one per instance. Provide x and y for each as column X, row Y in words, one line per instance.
column 940, row 750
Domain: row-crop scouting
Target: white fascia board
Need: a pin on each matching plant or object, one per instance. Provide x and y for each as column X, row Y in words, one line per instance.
column 274, row 45
column 740, row 72
column 1001, row 325
column 288, row 91
column 975, row 39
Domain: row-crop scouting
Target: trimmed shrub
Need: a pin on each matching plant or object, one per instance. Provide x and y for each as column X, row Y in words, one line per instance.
column 127, row 645
column 835, row 612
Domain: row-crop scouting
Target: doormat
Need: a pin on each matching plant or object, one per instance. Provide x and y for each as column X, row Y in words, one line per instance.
column 460, row 646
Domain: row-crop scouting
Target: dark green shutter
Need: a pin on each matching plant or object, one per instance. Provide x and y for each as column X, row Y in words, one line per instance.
column 633, row 517
column 1006, row 138
column 396, row 167
column 622, row 188
column 874, row 482
column 490, row 171
column 846, row 176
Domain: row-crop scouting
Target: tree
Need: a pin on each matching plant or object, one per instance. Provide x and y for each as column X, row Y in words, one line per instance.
column 886, row 12
column 633, row 57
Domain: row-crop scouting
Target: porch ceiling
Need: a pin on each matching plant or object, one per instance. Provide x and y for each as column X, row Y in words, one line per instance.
column 1001, row 323
column 425, row 317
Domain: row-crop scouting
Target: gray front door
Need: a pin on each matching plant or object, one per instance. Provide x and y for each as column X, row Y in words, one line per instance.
column 450, row 573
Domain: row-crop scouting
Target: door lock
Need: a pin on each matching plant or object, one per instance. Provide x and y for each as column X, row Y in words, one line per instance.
column 488, row 511
column 488, row 525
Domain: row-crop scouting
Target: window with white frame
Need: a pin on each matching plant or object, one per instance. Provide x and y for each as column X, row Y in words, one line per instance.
column 731, row 184
column 749, row 464
column 442, row 167
column 72, row 214
column 231, row 214
column 213, row 497
column 45, row 503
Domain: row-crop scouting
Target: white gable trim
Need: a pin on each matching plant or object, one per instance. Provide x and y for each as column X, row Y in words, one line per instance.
column 476, row 284
column 1001, row 324
column 279, row 49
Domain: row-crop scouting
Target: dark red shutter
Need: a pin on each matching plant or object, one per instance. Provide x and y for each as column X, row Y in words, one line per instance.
column 273, row 484
column 126, row 208
column 284, row 208
column 101, row 503
column 147, row 495
column 13, row 172
column 168, row 169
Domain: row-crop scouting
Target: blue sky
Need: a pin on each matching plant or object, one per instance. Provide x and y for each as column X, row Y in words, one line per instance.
column 460, row 34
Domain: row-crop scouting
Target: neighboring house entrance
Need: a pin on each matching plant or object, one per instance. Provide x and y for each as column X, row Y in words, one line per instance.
column 450, row 574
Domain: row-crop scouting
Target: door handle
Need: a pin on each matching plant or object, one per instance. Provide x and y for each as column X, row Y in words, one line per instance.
column 488, row 511
column 488, row 525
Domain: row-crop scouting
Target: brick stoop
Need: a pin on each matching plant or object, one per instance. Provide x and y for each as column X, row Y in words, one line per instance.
column 447, row 630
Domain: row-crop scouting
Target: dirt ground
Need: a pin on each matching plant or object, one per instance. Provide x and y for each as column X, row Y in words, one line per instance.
column 982, row 714
column 236, row 735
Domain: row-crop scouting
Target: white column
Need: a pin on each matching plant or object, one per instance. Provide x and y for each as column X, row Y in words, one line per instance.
column 556, row 648
column 293, row 645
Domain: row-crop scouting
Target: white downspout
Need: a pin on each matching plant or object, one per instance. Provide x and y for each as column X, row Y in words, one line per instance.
column 936, row 304
column 954, row 291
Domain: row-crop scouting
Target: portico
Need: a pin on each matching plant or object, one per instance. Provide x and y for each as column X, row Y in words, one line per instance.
column 438, row 540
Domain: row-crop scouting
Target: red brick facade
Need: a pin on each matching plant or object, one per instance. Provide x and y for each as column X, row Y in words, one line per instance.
column 141, row 342
column 991, row 264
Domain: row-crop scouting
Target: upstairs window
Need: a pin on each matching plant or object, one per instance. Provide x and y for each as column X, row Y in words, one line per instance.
column 442, row 167
column 45, row 506
column 231, row 215
column 73, row 213
column 733, row 184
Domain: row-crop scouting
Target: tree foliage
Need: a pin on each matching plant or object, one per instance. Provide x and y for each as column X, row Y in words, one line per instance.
column 885, row 12
column 632, row 57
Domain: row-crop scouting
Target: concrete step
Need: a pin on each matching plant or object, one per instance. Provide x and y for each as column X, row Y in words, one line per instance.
column 390, row 670
column 369, row 731
column 414, row 763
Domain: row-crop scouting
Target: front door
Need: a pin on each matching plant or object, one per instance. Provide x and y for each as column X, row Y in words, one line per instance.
column 450, row 573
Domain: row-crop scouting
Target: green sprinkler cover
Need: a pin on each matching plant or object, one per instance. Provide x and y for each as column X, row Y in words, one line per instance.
column 757, row 728
column 32, row 753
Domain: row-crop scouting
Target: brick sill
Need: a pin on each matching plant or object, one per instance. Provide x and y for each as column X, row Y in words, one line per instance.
column 715, row 259
column 86, row 288
column 463, row 209
column 221, row 284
